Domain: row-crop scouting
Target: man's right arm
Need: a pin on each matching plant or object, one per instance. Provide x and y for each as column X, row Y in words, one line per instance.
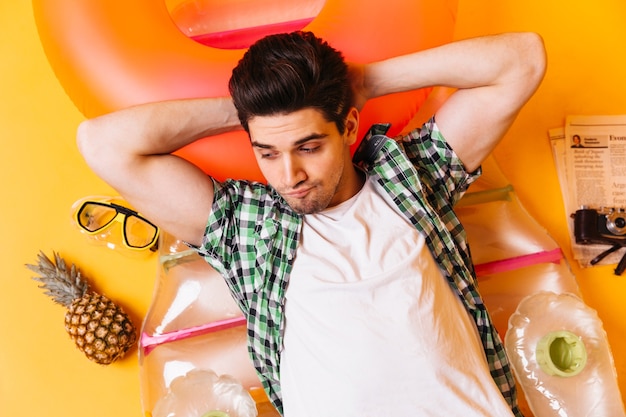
column 131, row 150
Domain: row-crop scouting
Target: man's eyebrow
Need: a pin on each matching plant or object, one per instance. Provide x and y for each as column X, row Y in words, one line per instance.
column 312, row 136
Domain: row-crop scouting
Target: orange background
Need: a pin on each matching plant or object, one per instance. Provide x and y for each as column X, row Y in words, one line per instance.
column 41, row 373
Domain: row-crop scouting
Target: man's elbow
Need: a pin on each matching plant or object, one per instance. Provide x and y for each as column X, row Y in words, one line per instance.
column 90, row 146
column 534, row 57
column 82, row 139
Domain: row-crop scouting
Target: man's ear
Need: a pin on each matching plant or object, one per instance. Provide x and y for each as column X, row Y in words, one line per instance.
column 352, row 126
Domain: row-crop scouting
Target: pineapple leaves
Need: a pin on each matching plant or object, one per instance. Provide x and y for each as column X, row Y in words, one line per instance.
column 59, row 283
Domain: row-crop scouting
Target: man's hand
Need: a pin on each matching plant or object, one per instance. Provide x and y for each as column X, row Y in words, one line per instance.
column 356, row 72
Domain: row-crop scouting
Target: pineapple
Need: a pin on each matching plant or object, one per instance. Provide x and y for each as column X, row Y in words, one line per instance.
column 98, row 327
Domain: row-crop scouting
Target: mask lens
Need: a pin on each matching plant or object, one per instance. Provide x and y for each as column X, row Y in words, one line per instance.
column 139, row 233
column 93, row 217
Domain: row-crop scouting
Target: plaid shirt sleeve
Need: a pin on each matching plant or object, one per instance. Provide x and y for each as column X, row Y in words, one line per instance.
column 437, row 165
column 250, row 240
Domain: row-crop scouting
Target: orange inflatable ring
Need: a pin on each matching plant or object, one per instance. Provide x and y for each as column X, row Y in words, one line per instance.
column 111, row 54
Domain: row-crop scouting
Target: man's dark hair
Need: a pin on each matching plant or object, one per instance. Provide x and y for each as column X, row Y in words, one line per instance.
column 287, row 72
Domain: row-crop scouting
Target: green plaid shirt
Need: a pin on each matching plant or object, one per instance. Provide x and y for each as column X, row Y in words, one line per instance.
column 252, row 236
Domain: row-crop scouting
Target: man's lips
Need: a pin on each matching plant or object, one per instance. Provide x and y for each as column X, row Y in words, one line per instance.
column 299, row 193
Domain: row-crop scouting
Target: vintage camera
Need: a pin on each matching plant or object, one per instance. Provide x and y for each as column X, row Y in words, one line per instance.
column 603, row 226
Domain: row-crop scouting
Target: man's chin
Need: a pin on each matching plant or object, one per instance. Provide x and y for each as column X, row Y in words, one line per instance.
column 306, row 206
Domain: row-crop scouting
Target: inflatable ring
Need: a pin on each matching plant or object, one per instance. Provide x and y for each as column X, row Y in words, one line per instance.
column 111, row 54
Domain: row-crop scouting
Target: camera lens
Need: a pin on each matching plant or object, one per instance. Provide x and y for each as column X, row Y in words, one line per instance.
column 616, row 223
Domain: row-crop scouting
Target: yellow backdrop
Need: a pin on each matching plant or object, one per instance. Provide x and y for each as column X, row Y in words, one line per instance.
column 41, row 373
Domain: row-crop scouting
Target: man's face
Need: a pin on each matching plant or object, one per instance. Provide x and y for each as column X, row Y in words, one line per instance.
column 305, row 158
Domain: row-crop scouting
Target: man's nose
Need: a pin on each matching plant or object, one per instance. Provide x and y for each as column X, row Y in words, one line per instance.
column 294, row 173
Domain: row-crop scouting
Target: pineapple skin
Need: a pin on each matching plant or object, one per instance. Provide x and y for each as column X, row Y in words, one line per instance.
column 100, row 328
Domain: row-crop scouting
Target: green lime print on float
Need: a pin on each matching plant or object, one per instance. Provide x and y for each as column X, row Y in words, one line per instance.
column 561, row 353
column 215, row 413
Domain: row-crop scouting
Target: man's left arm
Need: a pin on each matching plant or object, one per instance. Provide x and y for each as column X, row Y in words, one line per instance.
column 492, row 78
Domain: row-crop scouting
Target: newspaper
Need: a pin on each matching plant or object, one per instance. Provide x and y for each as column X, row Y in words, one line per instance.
column 590, row 157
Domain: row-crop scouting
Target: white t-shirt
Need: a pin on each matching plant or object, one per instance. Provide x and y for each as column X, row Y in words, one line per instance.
column 373, row 328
